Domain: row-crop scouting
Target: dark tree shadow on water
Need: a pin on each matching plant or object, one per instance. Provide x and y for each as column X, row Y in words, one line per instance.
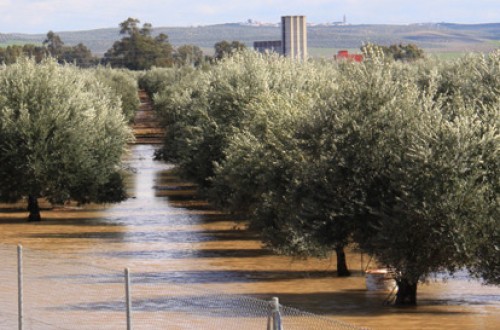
column 193, row 236
column 151, row 219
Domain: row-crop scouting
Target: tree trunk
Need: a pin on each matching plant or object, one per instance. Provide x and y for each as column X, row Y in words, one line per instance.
column 342, row 270
column 407, row 293
column 33, row 208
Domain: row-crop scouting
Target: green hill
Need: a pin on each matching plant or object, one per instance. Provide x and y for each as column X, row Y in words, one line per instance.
column 322, row 40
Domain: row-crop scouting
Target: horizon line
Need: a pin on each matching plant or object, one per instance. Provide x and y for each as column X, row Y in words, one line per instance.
column 262, row 24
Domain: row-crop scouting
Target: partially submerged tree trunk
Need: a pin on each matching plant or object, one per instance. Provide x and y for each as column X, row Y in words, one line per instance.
column 407, row 293
column 33, row 208
column 342, row 270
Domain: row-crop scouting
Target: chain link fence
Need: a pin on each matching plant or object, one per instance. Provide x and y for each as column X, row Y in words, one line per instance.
column 66, row 293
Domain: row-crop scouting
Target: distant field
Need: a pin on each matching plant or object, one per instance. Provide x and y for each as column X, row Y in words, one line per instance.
column 495, row 43
column 7, row 43
column 330, row 52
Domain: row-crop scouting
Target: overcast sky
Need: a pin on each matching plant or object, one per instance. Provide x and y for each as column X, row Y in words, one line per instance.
column 40, row 16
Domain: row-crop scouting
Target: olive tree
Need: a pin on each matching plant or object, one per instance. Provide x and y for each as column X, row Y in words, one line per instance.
column 474, row 82
column 270, row 165
column 433, row 194
column 62, row 136
column 400, row 158
column 204, row 109
column 430, row 178
column 123, row 83
column 487, row 265
column 156, row 79
column 408, row 171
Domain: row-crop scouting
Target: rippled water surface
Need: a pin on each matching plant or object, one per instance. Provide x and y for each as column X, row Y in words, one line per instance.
column 164, row 230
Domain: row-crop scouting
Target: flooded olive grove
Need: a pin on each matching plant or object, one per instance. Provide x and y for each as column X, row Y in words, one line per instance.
column 302, row 159
column 164, row 228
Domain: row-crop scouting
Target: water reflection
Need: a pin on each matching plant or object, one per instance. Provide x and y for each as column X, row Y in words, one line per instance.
column 186, row 254
column 200, row 277
column 212, row 305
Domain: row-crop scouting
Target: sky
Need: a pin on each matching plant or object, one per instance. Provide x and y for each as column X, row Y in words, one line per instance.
column 40, row 16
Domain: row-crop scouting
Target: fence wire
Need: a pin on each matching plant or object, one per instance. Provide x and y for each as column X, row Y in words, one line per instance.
column 65, row 293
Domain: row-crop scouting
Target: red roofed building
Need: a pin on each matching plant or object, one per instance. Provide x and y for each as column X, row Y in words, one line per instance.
column 344, row 55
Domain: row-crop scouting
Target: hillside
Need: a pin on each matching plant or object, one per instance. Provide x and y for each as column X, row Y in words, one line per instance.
column 443, row 37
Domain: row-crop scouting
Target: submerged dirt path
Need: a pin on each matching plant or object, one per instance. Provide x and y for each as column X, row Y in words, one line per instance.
column 146, row 126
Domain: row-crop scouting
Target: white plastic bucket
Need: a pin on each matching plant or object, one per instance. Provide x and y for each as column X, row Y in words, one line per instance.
column 379, row 280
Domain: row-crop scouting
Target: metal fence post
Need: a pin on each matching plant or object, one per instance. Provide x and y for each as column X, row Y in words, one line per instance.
column 128, row 299
column 20, row 286
column 274, row 318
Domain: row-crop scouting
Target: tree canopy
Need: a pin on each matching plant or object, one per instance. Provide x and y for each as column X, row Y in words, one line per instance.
column 53, row 43
column 123, row 84
column 189, row 55
column 79, row 54
column 399, row 52
column 227, row 48
column 53, row 46
column 400, row 158
column 62, row 135
column 138, row 49
column 12, row 53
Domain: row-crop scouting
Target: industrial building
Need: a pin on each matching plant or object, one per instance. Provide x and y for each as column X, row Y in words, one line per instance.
column 294, row 36
column 293, row 41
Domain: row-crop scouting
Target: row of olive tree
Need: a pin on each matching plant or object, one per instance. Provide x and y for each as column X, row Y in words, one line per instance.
column 52, row 46
column 62, row 135
column 123, row 84
column 238, row 93
column 401, row 159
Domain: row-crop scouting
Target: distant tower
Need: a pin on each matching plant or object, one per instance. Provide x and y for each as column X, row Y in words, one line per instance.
column 345, row 20
column 294, row 36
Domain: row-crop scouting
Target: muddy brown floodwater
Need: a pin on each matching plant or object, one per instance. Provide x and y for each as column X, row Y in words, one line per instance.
column 163, row 226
